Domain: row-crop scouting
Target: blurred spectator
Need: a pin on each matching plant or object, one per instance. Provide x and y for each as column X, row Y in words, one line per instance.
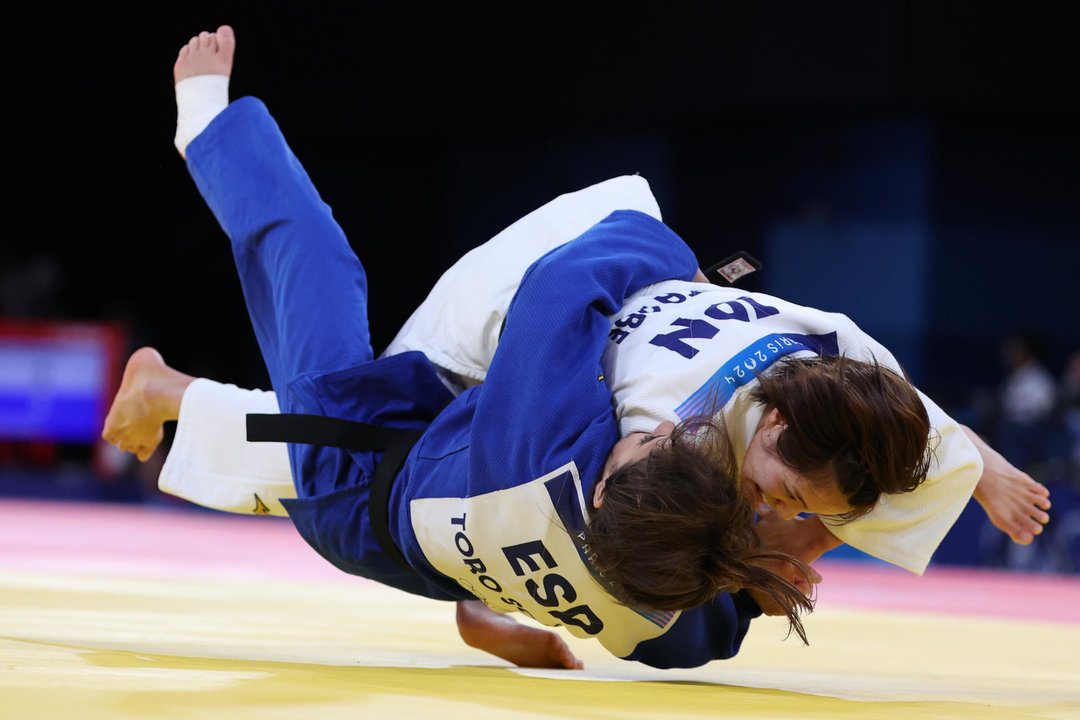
column 29, row 287
column 1027, row 400
column 1070, row 412
column 1027, row 394
column 1038, row 429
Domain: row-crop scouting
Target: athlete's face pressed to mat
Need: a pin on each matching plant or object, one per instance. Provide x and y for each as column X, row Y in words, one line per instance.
column 635, row 446
column 781, row 487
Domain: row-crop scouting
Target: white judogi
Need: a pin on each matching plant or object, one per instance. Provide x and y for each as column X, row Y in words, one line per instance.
column 681, row 348
column 458, row 327
column 211, row 463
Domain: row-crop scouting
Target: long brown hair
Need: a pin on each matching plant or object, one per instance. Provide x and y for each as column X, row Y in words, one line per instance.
column 860, row 421
column 677, row 527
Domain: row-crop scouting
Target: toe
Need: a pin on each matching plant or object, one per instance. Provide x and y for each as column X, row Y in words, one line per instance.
column 225, row 35
column 226, row 42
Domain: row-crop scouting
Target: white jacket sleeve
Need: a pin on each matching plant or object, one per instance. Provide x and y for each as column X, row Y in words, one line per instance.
column 905, row 529
column 459, row 323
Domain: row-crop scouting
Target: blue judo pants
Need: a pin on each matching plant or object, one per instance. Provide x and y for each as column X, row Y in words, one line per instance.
column 306, row 294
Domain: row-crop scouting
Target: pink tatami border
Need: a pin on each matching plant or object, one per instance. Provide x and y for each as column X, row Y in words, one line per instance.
column 146, row 541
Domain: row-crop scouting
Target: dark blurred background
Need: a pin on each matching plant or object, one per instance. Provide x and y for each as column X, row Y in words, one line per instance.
column 913, row 165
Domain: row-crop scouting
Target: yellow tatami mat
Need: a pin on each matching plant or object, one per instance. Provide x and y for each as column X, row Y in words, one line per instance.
column 112, row 612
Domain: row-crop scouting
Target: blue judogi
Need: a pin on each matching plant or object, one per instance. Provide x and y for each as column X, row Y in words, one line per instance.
column 517, row 455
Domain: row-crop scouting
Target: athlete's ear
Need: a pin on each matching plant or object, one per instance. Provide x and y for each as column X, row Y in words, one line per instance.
column 772, row 418
column 598, row 493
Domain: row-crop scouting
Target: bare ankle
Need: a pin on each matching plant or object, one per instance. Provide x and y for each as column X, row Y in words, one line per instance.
column 167, row 392
column 161, row 386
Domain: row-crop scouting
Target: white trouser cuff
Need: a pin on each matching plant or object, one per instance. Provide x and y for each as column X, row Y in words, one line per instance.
column 199, row 99
column 211, row 463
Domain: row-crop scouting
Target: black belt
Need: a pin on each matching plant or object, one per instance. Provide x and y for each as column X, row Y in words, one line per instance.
column 394, row 443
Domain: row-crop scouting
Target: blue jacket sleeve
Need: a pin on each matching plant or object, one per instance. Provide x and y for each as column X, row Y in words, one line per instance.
column 714, row 631
column 546, row 386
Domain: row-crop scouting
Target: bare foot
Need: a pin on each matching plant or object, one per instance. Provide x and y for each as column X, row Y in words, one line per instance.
column 206, row 54
column 149, row 396
column 502, row 636
column 1015, row 503
column 1012, row 499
